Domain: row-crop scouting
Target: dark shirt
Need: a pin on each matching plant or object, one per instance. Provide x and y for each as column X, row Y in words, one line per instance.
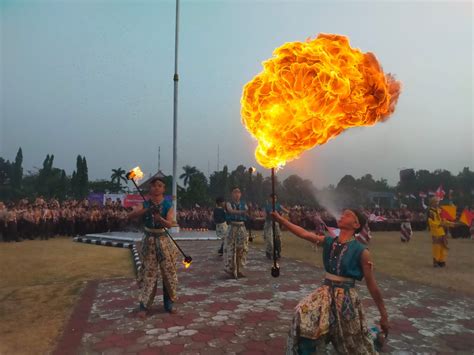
column 219, row 215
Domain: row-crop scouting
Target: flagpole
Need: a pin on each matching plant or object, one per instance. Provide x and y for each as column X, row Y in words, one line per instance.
column 175, row 123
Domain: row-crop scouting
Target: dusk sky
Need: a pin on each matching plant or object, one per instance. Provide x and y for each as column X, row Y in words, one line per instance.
column 95, row 78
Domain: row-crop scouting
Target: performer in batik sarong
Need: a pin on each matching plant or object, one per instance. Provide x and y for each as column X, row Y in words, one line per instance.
column 365, row 235
column 268, row 229
column 236, row 241
column 405, row 227
column 158, row 251
column 219, row 218
column 333, row 313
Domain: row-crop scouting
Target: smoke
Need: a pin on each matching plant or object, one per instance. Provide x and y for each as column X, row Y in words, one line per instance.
column 328, row 200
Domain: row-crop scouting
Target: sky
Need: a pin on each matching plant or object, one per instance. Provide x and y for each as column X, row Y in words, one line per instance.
column 95, row 78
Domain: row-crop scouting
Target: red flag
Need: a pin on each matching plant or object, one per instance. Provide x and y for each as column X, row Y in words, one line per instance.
column 466, row 217
column 448, row 212
column 440, row 192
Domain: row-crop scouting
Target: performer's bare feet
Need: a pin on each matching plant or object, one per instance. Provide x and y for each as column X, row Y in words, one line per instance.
column 241, row 274
column 172, row 311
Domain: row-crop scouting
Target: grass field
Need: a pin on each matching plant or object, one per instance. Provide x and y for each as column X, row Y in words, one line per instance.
column 412, row 261
column 41, row 280
column 39, row 284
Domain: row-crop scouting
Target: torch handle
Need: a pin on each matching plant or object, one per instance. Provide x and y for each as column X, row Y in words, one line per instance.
column 138, row 189
column 273, row 221
column 175, row 243
column 166, row 229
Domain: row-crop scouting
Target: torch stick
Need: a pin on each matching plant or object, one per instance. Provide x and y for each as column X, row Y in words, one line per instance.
column 251, row 171
column 187, row 259
column 275, row 267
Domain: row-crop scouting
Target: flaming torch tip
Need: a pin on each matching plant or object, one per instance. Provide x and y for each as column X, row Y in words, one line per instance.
column 136, row 173
column 187, row 261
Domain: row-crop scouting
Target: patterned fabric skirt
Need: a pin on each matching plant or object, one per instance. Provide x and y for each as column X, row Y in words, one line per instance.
column 236, row 247
column 268, row 236
column 221, row 230
column 159, row 257
column 331, row 314
column 406, row 231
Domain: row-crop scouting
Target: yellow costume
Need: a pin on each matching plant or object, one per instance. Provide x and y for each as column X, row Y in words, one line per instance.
column 438, row 235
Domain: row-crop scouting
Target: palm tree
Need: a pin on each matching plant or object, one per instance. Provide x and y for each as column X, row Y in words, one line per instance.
column 118, row 175
column 189, row 171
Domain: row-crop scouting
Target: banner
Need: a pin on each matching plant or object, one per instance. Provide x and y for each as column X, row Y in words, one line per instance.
column 96, row 199
column 132, row 200
column 114, row 197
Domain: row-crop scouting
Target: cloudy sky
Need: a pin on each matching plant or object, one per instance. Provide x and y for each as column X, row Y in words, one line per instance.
column 95, row 78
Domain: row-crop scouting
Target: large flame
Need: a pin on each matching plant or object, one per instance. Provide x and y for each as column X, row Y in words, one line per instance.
column 310, row 92
column 136, row 173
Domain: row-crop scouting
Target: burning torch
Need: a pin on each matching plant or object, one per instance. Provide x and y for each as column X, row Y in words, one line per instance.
column 136, row 173
column 251, row 170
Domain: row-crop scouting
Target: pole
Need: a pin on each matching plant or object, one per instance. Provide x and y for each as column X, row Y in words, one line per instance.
column 275, row 268
column 175, row 118
column 249, row 206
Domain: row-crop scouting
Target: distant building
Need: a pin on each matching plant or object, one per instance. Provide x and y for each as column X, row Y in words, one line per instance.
column 146, row 183
column 382, row 199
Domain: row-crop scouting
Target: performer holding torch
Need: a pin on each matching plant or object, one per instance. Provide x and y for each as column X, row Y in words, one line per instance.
column 158, row 251
column 268, row 228
column 236, row 242
column 333, row 312
column 308, row 93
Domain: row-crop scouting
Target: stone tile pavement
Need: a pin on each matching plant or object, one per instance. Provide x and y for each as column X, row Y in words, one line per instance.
column 218, row 315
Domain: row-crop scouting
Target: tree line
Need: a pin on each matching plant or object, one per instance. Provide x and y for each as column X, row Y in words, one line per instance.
column 198, row 189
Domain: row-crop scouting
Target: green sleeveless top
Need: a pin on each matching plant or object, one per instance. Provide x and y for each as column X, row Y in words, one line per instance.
column 343, row 259
column 148, row 219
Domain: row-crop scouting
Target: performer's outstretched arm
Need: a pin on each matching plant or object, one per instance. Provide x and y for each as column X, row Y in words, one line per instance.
column 297, row 230
column 374, row 289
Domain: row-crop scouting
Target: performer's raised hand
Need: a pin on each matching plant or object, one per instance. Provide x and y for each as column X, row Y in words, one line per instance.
column 384, row 325
column 276, row 216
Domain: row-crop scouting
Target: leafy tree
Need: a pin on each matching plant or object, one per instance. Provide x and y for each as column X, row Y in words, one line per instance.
column 118, row 175
column 189, row 171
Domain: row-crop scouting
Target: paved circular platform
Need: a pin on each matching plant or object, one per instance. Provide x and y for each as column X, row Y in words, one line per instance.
column 252, row 315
